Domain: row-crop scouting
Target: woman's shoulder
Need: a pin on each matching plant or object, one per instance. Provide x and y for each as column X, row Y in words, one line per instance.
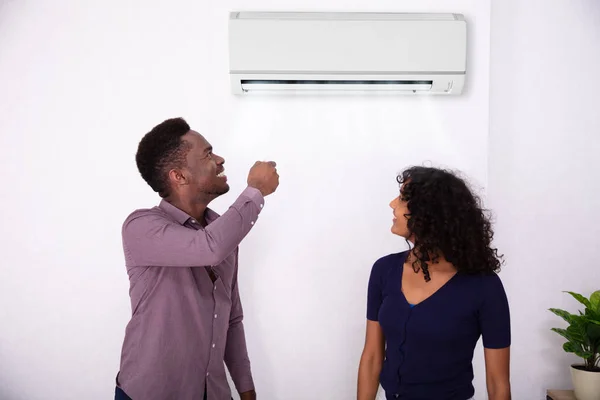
column 491, row 283
column 486, row 279
column 481, row 279
column 484, row 285
column 393, row 260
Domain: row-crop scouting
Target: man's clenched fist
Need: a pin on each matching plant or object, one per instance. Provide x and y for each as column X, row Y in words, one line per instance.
column 263, row 176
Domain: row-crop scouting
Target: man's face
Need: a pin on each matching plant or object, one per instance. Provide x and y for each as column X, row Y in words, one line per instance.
column 204, row 169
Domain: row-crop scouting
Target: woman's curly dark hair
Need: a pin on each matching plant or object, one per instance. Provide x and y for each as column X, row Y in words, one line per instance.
column 447, row 219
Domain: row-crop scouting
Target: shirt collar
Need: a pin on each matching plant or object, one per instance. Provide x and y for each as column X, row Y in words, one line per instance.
column 181, row 216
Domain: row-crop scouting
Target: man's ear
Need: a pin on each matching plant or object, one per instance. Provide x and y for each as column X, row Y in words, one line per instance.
column 178, row 177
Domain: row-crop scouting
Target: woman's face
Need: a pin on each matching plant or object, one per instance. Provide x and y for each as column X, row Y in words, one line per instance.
column 400, row 224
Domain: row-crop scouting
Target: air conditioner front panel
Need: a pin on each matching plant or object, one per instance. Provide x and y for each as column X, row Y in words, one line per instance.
column 345, row 45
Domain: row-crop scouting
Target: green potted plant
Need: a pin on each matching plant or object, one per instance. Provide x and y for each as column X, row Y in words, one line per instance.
column 583, row 339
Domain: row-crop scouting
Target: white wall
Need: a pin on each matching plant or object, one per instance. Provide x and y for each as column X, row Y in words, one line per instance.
column 543, row 176
column 82, row 83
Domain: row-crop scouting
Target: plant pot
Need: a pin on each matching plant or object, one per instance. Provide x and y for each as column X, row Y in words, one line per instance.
column 585, row 383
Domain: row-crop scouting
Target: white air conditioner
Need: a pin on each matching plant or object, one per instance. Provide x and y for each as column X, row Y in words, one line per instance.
column 385, row 52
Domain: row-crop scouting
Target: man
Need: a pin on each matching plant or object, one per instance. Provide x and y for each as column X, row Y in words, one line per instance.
column 182, row 262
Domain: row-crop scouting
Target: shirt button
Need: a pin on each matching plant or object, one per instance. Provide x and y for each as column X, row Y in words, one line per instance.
column 215, row 315
column 252, row 223
column 208, row 373
column 215, row 287
column 193, row 221
column 214, row 345
column 261, row 206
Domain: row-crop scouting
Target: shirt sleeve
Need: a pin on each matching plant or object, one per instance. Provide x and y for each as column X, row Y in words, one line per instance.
column 150, row 239
column 494, row 314
column 374, row 295
column 236, row 352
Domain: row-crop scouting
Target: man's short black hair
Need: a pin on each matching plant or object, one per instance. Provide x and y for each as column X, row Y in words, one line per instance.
column 160, row 150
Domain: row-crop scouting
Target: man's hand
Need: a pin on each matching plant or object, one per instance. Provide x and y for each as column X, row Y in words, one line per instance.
column 263, row 176
column 251, row 395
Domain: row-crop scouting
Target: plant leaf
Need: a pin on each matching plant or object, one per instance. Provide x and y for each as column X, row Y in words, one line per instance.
column 583, row 354
column 581, row 299
column 562, row 332
column 595, row 301
column 569, row 347
column 578, row 330
column 583, row 330
column 593, row 331
column 563, row 314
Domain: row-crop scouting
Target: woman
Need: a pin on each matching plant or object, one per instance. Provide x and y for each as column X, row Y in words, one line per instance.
column 427, row 307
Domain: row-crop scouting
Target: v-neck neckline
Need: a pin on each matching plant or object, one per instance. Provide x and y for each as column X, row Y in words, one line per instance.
column 401, row 288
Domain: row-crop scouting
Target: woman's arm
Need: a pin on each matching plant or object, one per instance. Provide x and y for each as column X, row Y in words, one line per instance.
column 494, row 322
column 371, row 362
column 497, row 373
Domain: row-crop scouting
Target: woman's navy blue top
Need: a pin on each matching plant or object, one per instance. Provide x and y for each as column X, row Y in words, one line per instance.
column 429, row 346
